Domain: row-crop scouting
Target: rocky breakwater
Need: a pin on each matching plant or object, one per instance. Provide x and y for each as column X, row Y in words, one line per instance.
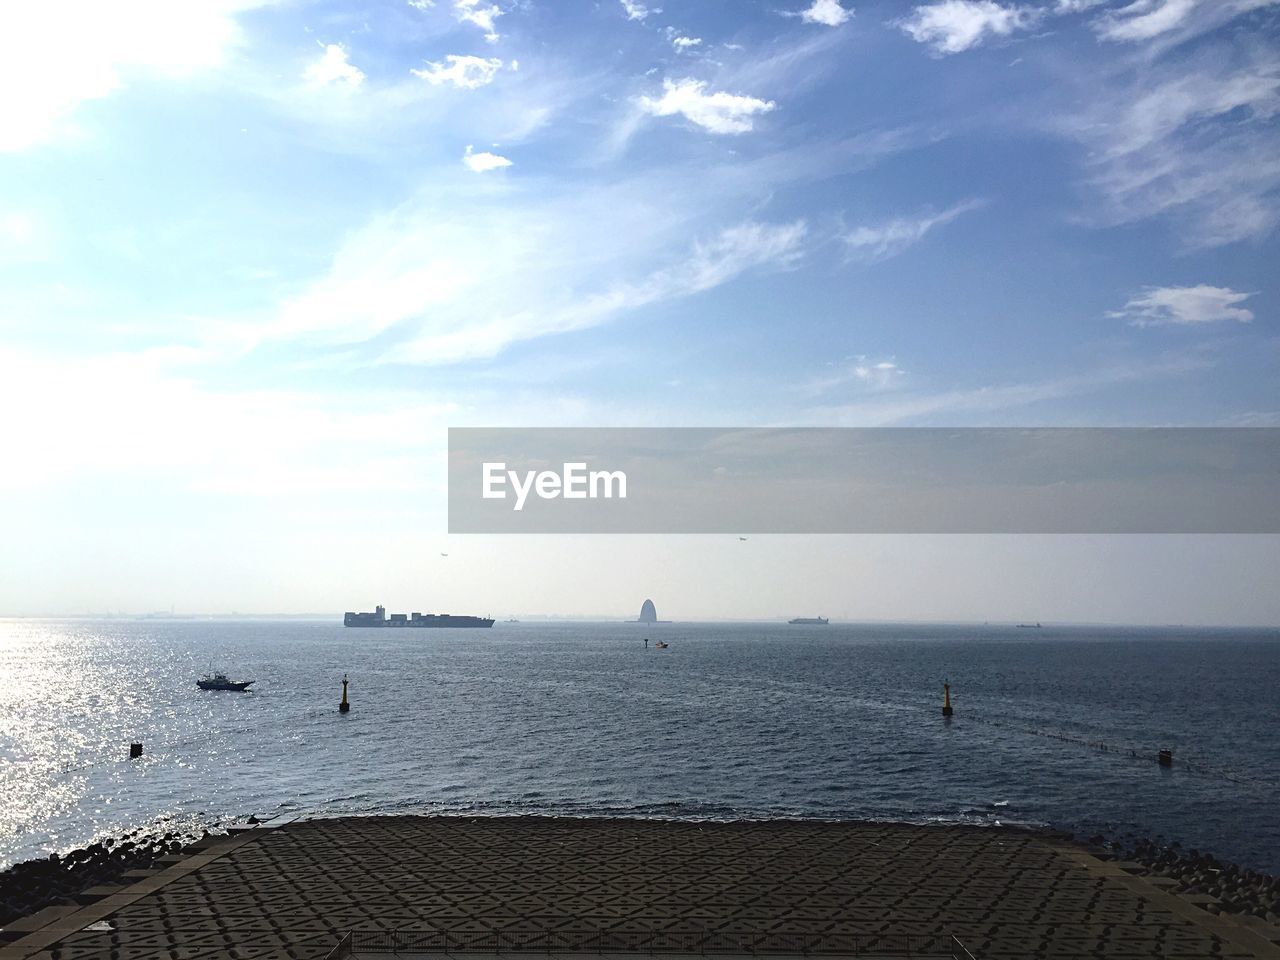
column 1234, row 888
column 57, row 879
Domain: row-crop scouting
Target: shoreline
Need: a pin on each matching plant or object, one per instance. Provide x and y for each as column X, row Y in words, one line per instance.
column 297, row 887
column 60, row 879
column 28, row 886
column 1206, row 879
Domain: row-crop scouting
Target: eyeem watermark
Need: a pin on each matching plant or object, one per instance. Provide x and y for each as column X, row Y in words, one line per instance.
column 574, row 482
column 1048, row 480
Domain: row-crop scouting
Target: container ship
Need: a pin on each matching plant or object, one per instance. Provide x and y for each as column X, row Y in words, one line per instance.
column 379, row 618
column 809, row 621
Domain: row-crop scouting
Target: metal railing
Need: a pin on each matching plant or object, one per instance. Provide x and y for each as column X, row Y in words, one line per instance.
column 701, row 943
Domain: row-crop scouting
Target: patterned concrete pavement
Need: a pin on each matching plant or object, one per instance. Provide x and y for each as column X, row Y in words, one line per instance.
column 291, row 891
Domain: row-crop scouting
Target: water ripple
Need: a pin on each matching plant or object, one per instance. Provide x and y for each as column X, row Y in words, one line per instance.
column 733, row 721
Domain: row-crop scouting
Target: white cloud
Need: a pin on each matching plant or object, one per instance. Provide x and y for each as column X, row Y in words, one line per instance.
column 467, row 72
column 879, row 374
column 636, row 10
column 62, row 53
column 23, row 238
column 1063, row 7
column 334, row 67
column 1184, row 306
column 422, row 4
column 1144, row 19
column 16, row 229
column 866, row 373
column 956, row 25
column 484, row 162
column 948, row 406
column 480, row 14
column 683, row 43
column 829, row 13
column 147, row 413
column 885, row 240
column 717, row 112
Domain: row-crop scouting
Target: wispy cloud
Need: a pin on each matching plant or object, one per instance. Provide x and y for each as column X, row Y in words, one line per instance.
column 466, row 72
column 1185, row 306
column 481, row 14
column 334, row 68
column 717, row 112
column 861, row 371
column 1162, row 24
column 474, row 264
column 950, row 407
column 880, row 373
column 483, row 162
column 890, row 238
column 953, row 26
column 1193, row 139
column 636, row 10
column 1144, row 19
column 732, row 252
column 829, row 13
column 1254, row 418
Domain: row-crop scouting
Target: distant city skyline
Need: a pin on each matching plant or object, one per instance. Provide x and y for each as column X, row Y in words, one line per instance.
column 257, row 257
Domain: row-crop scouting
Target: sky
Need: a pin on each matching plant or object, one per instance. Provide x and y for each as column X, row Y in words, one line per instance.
column 257, row 257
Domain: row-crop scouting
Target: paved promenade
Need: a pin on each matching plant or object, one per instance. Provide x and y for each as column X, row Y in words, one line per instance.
column 291, row 891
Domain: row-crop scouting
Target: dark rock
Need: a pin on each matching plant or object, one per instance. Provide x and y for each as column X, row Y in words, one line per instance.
column 26, row 888
column 1240, row 890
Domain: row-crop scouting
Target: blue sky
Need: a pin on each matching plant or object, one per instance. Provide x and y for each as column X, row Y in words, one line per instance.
column 255, row 258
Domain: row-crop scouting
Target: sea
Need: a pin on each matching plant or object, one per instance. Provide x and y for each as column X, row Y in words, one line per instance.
column 1053, row 727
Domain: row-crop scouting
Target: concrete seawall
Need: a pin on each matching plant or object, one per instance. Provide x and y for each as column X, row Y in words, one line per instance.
column 293, row 889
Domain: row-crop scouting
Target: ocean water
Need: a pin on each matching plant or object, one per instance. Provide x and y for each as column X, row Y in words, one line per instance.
column 1057, row 726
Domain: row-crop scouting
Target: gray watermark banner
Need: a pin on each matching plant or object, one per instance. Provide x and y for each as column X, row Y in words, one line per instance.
column 864, row 480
